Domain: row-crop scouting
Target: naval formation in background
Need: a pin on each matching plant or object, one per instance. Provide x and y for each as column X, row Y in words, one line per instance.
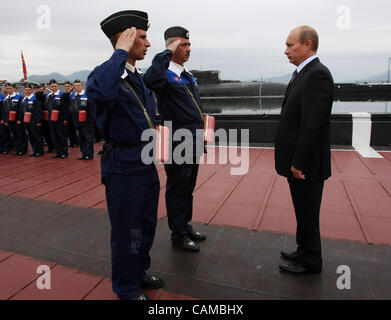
column 46, row 115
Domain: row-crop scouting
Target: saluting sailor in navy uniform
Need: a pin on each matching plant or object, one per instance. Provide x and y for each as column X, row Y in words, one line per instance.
column 12, row 103
column 5, row 138
column 179, row 101
column 85, row 128
column 33, row 127
column 59, row 101
column 132, row 187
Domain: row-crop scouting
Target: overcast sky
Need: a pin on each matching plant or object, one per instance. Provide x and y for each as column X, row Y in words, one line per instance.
column 243, row 38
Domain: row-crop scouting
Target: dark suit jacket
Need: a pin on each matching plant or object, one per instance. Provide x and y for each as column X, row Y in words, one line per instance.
column 303, row 134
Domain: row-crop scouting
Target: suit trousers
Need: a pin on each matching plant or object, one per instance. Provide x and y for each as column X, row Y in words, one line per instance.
column 307, row 198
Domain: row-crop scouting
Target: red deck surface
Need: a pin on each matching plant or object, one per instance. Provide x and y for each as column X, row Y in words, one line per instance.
column 18, row 278
column 356, row 203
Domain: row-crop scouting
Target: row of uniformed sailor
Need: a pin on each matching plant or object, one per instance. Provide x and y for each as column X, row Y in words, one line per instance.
column 13, row 126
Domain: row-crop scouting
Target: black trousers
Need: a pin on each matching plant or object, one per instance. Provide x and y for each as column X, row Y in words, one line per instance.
column 307, row 198
column 5, row 139
column 59, row 133
column 86, row 140
column 72, row 134
column 34, row 134
column 19, row 137
column 181, row 181
column 47, row 135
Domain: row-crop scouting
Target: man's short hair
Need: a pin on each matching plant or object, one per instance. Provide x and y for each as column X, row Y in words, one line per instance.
column 114, row 40
column 169, row 41
column 309, row 33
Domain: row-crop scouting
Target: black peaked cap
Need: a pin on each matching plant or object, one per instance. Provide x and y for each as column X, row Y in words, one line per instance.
column 176, row 31
column 123, row 20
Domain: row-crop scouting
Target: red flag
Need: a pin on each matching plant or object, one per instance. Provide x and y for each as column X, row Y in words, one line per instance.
column 24, row 67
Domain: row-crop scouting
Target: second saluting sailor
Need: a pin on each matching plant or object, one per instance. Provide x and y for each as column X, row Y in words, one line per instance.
column 179, row 102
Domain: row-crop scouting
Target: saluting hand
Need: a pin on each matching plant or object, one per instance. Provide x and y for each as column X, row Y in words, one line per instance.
column 173, row 46
column 70, row 90
column 126, row 39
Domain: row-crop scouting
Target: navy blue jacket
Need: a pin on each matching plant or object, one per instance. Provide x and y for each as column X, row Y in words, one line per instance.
column 12, row 104
column 34, row 106
column 81, row 102
column 59, row 102
column 119, row 116
column 174, row 102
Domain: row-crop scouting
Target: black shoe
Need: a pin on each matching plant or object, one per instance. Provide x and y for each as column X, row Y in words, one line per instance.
column 186, row 243
column 15, row 153
column 50, row 151
column 56, row 156
column 297, row 268
column 38, row 155
column 5, row 152
column 32, row 155
column 291, row 256
column 82, row 158
column 64, row 156
column 196, row 236
column 88, row 158
column 152, row 282
column 21, row 153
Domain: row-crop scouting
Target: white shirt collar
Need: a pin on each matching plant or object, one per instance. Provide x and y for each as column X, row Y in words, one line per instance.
column 81, row 93
column 305, row 62
column 57, row 92
column 12, row 95
column 177, row 68
column 130, row 68
column 30, row 96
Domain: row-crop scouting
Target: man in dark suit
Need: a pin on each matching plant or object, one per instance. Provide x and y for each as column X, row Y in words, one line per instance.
column 302, row 150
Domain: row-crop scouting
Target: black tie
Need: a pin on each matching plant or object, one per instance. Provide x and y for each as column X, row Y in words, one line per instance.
column 294, row 75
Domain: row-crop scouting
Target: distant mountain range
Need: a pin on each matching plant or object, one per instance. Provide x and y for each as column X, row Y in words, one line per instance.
column 83, row 75
column 80, row 75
